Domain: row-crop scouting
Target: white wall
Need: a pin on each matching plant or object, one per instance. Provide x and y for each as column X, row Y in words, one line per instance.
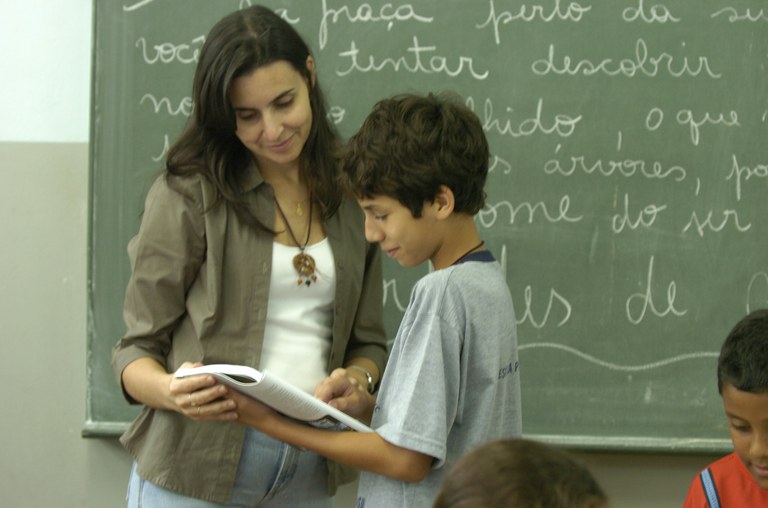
column 45, row 89
column 44, row 115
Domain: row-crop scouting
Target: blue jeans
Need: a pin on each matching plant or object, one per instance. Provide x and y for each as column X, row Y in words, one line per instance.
column 298, row 479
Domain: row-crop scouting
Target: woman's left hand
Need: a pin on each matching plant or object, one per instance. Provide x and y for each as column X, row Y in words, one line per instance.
column 201, row 397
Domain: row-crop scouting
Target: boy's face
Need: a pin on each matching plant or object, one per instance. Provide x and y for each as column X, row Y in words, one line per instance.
column 747, row 415
column 408, row 240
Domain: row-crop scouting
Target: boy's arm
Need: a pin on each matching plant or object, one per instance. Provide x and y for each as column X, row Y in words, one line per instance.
column 361, row 450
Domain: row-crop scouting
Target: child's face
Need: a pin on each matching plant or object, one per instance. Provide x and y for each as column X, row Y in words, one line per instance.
column 408, row 240
column 747, row 415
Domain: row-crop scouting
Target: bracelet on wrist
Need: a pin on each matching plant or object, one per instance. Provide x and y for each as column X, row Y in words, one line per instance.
column 368, row 377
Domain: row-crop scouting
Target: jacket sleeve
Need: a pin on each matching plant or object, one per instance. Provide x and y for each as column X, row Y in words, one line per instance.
column 165, row 258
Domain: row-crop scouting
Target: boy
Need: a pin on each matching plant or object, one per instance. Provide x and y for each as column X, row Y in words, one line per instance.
column 418, row 167
column 741, row 478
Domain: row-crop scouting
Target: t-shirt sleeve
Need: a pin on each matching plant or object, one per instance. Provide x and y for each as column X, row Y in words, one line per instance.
column 695, row 497
column 421, row 396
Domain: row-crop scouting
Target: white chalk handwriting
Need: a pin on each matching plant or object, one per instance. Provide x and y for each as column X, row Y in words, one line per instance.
column 646, row 303
column 555, row 301
column 387, row 13
column 488, row 216
column 499, row 164
column 336, row 114
column 164, row 151
column 757, row 292
column 662, row 64
column 715, row 222
column 421, row 59
column 167, row 52
column 163, row 104
column 561, row 124
column 688, row 117
column 657, row 13
column 528, row 13
column 620, row 367
column 390, row 288
column 747, row 15
column 137, row 5
column 623, row 167
column 741, row 174
column 646, row 217
column 694, row 121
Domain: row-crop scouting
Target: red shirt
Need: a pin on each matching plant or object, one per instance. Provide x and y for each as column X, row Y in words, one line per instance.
column 729, row 485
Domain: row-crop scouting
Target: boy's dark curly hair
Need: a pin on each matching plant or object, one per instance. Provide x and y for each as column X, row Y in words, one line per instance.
column 410, row 145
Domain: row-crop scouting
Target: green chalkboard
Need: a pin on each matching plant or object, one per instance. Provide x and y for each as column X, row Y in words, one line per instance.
column 625, row 203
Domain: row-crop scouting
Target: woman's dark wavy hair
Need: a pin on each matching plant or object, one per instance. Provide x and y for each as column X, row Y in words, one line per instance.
column 236, row 46
column 743, row 360
column 410, row 145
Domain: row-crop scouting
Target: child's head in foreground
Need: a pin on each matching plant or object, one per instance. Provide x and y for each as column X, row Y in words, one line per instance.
column 742, row 379
column 520, row 473
column 424, row 156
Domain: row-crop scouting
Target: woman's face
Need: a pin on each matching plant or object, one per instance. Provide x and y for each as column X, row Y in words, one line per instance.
column 273, row 113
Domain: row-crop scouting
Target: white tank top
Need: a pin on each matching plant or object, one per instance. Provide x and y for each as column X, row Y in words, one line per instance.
column 297, row 336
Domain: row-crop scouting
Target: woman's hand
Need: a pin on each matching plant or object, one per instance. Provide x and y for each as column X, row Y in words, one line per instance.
column 201, row 397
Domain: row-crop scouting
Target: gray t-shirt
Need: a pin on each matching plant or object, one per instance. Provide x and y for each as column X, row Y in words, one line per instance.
column 452, row 380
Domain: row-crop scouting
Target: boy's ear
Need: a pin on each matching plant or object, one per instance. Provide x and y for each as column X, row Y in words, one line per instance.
column 444, row 202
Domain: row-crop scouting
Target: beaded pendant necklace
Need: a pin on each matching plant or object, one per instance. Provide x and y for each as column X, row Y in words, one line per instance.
column 303, row 263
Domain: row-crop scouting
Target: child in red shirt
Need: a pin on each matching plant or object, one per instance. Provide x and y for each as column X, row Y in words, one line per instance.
column 741, row 478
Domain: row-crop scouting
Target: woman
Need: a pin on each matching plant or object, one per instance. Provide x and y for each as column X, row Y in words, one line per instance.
column 247, row 253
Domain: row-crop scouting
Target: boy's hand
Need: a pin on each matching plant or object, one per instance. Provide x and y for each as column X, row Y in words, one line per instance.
column 344, row 392
column 253, row 413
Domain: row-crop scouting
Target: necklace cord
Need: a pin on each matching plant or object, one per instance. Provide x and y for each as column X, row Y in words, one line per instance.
column 288, row 226
column 469, row 252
